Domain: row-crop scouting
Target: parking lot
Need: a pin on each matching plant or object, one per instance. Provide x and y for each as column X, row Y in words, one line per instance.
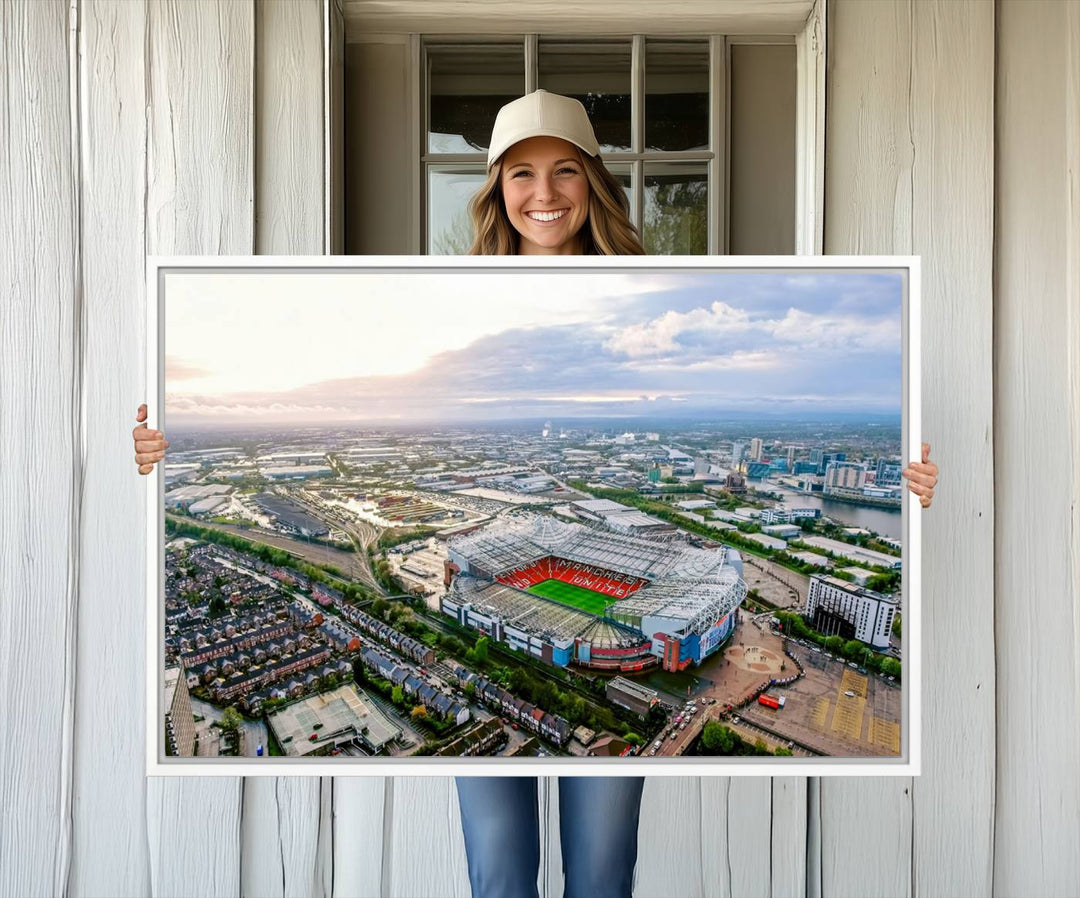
column 835, row 709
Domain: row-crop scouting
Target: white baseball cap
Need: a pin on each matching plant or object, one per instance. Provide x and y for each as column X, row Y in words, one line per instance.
column 541, row 114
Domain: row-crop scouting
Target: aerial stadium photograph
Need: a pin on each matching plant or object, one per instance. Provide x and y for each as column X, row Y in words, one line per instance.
column 580, row 519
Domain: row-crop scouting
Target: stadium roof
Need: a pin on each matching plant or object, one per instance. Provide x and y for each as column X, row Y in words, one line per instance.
column 696, row 585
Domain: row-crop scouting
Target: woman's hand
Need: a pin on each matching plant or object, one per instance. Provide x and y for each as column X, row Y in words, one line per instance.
column 922, row 477
column 150, row 445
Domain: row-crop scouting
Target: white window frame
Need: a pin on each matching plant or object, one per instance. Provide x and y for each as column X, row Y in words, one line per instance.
column 809, row 40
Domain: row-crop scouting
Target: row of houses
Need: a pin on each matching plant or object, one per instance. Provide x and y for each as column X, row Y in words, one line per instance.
column 313, row 679
column 400, row 642
column 483, row 739
column 207, row 645
column 227, row 665
column 550, row 726
column 223, row 690
column 436, row 701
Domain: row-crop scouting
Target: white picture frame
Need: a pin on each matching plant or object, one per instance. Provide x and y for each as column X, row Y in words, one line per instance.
column 908, row 763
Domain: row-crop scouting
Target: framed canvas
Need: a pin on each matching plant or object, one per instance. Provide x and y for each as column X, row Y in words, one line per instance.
column 498, row 516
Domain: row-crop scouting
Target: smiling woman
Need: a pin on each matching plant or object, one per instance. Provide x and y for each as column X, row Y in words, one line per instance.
column 547, row 190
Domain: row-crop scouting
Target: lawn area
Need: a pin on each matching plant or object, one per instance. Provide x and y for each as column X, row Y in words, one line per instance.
column 575, row 596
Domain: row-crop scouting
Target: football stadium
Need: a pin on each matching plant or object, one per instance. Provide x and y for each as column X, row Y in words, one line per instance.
column 569, row 593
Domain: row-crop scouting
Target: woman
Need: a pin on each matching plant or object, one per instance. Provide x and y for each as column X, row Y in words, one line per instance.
column 548, row 193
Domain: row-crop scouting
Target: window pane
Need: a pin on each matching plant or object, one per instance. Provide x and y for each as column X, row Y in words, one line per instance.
column 676, row 209
column 467, row 84
column 676, row 95
column 597, row 74
column 623, row 175
column 449, row 191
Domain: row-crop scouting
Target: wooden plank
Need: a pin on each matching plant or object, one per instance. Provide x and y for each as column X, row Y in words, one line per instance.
column 788, row 837
column 736, row 815
column 289, row 132
column 282, row 816
column 553, row 17
column 334, row 126
column 952, row 130
column 109, row 763
column 1037, row 540
column 671, row 835
column 868, row 195
column 424, row 847
column 200, row 184
column 280, row 837
column 199, row 198
column 361, row 817
column 40, row 434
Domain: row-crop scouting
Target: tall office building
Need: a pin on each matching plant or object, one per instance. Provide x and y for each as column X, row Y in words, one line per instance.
column 845, row 475
column 755, row 449
column 791, row 458
column 888, row 473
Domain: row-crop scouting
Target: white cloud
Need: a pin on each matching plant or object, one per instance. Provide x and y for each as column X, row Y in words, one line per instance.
column 661, row 335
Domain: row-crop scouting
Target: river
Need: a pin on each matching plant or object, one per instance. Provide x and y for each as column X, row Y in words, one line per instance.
column 884, row 521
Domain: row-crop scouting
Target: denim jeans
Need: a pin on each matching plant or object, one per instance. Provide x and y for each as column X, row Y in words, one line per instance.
column 598, row 824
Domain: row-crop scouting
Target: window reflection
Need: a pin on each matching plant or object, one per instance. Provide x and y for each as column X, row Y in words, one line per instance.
column 467, row 85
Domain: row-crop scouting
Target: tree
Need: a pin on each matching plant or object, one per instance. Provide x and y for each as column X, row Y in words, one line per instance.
column 397, row 695
column 231, row 719
column 896, row 625
column 718, row 739
column 419, row 713
column 481, row 649
column 853, row 649
column 890, row 667
column 833, row 644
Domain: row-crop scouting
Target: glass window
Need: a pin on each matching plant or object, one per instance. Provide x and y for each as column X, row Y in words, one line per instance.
column 467, row 85
column 676, row 209
column 676, row 95
column 597, row 74
column 449, row 190
column 651, row 105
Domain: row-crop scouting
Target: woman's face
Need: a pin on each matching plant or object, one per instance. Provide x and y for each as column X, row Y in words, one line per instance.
column 546, row 195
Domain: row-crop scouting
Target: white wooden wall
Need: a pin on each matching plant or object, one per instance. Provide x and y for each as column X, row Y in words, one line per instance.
column 200, row 127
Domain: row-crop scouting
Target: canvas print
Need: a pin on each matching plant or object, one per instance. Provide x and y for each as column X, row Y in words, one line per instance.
column 622, row 517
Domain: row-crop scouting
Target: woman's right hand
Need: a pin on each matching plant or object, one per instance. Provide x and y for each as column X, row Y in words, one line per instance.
column 150, row 445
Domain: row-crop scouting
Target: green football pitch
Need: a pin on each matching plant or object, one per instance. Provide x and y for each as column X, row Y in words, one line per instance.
column 568, row 594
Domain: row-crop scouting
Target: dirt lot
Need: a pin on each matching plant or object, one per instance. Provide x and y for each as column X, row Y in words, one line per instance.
column 820, row 714
column 775, row 584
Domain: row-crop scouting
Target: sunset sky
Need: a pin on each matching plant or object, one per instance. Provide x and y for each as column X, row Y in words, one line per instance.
column 452, row 345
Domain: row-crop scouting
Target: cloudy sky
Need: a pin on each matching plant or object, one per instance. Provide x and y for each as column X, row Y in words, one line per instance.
column 458, row 345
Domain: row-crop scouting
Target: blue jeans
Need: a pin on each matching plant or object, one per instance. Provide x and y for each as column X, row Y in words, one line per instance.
column 598, row 824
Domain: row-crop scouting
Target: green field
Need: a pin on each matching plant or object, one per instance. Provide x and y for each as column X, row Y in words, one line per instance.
column 575, row 596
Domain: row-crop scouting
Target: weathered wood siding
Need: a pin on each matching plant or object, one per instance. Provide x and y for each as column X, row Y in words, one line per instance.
column 909, row 169
column 197, row 127
column 1037, row 408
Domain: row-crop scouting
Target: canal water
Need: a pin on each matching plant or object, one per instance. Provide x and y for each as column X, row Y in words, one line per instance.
column 884, row 521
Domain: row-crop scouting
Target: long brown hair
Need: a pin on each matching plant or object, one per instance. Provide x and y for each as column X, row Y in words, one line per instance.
column 608, row 230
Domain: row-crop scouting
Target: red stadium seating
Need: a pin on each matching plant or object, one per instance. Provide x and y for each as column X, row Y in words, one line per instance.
column 609, row 583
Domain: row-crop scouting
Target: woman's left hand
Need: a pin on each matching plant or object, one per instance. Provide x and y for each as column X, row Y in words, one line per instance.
column 922, row 477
